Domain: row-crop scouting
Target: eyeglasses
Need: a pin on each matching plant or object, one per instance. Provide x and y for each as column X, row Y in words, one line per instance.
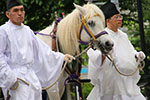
column 117, row 18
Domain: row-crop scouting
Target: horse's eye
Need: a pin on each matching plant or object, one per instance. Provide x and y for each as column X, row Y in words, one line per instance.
column 91, row 23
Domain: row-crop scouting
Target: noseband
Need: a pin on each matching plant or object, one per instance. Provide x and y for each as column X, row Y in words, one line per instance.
column 86, row 28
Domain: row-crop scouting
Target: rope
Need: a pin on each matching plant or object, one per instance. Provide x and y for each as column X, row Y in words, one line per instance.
column 64, row 66
column 85, row 50
column 140, row 66
column 17, row 83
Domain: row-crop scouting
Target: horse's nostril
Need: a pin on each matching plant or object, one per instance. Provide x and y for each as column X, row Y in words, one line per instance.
column 112, row 44
column 108, row 44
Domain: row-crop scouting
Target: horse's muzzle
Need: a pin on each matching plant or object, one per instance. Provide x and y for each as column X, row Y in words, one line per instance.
column 105, row 47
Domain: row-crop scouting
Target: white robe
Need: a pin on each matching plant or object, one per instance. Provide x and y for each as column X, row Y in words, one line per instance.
column 23, row 55
column 108, row 83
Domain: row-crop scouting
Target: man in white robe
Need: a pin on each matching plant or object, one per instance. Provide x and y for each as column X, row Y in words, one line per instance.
column 108, row 83
column 24, row 56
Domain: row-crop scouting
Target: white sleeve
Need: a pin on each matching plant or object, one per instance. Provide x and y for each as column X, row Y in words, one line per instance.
column 48, row 64
column 140, row 55
column 94, row 64
column 7, row 76
column 95, row 56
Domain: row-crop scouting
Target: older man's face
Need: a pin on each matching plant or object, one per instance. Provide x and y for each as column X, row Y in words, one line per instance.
column 16, row 14
column 116, row 20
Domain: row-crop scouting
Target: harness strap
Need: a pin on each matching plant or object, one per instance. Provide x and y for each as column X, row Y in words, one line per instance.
column 53, row 36
column 88, row 30
column 83, row 25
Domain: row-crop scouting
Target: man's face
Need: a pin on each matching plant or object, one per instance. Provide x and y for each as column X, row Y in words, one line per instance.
column 116, row 21
column 16, row 14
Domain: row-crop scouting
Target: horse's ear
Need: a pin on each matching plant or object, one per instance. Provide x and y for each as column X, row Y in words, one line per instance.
column 88, row 2
column 81, row 9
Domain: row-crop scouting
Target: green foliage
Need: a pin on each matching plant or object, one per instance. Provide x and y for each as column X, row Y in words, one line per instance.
column 84, row 56
column 40, row 14
column 86, row 88
column 3, row 8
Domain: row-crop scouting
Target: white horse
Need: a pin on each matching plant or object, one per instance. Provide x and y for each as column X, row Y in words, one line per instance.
column 83, row 24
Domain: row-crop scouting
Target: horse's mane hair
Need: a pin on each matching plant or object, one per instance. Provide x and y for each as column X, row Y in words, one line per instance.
column 68, row 29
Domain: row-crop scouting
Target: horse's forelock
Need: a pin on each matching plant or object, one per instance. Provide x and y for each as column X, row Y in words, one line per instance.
column 93, row 9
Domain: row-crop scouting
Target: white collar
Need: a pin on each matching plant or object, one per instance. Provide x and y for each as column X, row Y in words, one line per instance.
column 15, row 26
column 112, row 32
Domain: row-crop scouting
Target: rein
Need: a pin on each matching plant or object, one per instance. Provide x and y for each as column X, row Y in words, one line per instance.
column 139, row 67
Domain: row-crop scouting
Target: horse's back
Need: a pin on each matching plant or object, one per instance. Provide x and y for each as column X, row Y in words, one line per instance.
column 45, row 38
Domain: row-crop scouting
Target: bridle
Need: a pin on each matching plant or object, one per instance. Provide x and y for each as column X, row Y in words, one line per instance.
column 84, row 26
column 93, row 37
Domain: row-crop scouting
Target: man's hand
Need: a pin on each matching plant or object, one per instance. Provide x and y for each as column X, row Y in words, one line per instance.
column 140, row 56
column 69, row 58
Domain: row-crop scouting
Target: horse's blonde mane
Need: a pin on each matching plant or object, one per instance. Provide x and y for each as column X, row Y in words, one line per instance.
column 68, row 28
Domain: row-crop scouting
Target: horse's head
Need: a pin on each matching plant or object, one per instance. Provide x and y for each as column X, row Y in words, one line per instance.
column 84, row 24
column 92, row 23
